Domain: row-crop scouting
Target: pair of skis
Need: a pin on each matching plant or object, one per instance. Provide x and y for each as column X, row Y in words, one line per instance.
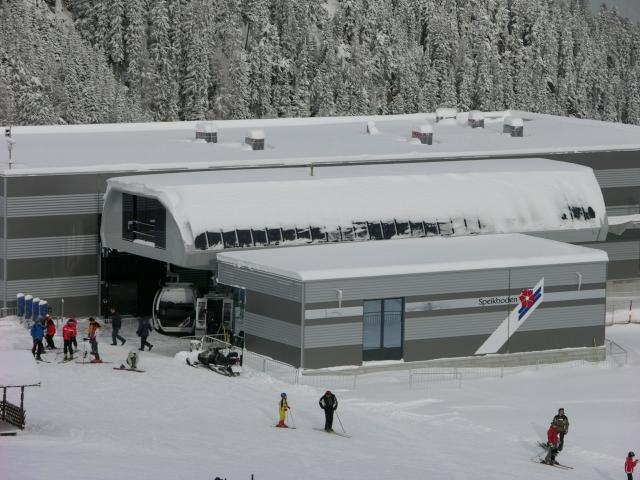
column 539, row 460
column 330, row 432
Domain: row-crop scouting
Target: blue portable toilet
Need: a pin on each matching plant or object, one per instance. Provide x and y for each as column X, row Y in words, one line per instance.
column 36, row 309
column 43, row 308
column 21, row 302
column 28, row 306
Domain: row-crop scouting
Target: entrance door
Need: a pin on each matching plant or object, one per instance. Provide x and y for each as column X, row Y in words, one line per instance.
column 382, row 326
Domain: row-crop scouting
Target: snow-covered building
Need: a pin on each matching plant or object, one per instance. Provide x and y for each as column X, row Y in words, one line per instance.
column 52, row 193
column 419, row 299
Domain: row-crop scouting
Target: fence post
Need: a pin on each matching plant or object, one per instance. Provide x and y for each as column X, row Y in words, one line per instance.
column 4, row 403
column 630, row 309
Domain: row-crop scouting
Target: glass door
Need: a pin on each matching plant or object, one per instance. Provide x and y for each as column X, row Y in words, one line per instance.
column 382, row 328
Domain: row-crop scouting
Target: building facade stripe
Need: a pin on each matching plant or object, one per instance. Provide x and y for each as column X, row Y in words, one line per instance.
column 80, row 286
column 52, row 246
column 44, row 205
column 272, row 329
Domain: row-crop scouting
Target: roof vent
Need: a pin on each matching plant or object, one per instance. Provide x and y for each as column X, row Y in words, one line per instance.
column 514, row 126
column 424, row 133
column 476, row 119
column 207, row 131
column 446, row 113
column 255, row 139
column 371, row 128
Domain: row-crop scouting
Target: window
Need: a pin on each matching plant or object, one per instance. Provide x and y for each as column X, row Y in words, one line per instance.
column 360, row 231
column 144, row 220
column 289, row 234
column 317, row 235
column 417, row 229
column 274, row 235
column 230, row 239
column 375, row 231
column 259, row 237
column 244, row 238
column 403, row 229
column 303, row 233
column 388, row 229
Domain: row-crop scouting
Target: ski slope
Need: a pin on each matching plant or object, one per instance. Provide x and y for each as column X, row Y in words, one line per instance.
column 177, row 422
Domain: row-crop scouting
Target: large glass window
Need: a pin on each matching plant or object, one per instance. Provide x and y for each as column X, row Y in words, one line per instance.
column 382, row 326
column 144, row 220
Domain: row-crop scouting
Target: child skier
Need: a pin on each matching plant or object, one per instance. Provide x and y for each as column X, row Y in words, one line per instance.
column 74, row 325
column 50, row 331
column 629, row 465
column 94, row 333
column 37, row 332
column 282, row 410
column 552, row 445
column 68, row 333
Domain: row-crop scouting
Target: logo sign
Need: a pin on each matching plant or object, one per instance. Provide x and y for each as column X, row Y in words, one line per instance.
column 529, row 300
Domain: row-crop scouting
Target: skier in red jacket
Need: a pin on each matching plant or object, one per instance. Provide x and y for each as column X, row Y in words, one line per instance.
column 629, row 465
column 552, row 445
column 50, row 331
column 68, row 333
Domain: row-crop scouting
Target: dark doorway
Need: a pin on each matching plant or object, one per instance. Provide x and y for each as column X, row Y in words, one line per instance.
column 382, row 329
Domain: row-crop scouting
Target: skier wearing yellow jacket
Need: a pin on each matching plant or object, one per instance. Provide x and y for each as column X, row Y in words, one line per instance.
column 282, row 410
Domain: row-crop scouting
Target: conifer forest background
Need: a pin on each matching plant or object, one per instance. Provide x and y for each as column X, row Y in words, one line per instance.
column 95, row 61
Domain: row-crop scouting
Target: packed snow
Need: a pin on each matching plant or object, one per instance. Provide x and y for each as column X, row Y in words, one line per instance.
column 17, row 369
column 414, row 256
column 174, row 421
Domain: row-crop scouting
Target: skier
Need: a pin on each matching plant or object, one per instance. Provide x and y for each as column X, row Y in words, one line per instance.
column 67, row 335
column 143, row 332
column 329, row 403
column 74, row 326
column 116, row 324
column 629, row 465
column 552, row 445
column 94, row 333
column 50, row 331
column 37, row 332
column 282, row 410
column 562, row 424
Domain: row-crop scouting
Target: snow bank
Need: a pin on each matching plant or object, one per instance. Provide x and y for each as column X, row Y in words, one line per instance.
column 17, row 368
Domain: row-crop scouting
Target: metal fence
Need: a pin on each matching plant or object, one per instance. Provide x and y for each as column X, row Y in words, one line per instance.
column 621, row 310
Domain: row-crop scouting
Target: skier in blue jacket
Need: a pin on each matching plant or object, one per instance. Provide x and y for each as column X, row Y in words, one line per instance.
column 37, row 333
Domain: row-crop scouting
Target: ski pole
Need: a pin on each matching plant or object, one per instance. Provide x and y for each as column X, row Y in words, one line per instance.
column 293, row 422
column 340, row 422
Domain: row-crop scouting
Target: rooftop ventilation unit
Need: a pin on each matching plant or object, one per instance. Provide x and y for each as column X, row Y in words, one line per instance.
column 255, row 139
column 424, row 133
column 514, row 126
column 476, row 119
column 207, row 132
column 446, row 113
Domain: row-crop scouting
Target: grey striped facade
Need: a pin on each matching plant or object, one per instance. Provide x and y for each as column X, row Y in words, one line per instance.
column 49, row 227
column 443, row 315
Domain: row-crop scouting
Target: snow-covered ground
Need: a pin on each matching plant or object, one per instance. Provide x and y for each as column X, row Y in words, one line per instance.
column 177, row 422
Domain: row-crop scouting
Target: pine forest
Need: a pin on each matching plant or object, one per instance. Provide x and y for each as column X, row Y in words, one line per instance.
column 95, row 61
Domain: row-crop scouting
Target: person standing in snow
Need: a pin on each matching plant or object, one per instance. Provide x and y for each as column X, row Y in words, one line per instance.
column 144, row 329
column 562, row 425
column 74, row 326
column 93, row 334
column 552, row 445
column 37, row 333
column 67, row 336
column 329, row 403
column 116, row 324
column 629, row 465
column 283, row 406
column 50, row 331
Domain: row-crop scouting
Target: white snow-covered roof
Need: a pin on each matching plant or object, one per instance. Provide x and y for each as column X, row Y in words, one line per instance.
column 18, row 368
column 162, row 146
column 479, row 196
column 411, row 256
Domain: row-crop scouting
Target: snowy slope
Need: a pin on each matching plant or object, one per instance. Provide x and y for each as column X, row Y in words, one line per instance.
column 178, row 422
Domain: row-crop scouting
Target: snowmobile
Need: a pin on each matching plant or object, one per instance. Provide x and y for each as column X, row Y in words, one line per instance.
column 223, row 360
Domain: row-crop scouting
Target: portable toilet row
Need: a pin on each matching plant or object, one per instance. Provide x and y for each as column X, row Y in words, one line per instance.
column 29, row 307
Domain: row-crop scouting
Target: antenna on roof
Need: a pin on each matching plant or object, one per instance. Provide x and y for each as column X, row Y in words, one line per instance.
column 10, row 143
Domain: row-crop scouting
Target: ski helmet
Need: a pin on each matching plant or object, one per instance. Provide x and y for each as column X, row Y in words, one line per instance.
column 283, row 395
column 631, row 454
column 328, row 392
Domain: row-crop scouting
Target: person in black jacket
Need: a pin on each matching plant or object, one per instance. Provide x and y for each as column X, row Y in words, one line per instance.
column 116, row 324
column 562, row 425
column 144, row 329
column 329, row 403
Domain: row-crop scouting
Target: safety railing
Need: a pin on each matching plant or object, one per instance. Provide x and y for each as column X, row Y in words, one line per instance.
column 621, row 310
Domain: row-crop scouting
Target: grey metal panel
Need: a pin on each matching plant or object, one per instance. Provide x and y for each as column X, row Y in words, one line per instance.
column 260, row 282
column 274, row 307
column 52, row 246
column 619, row 177
column 565, row 317
column 621, row 196
column 405, row 285
column 618, row 250
column 332, row 356
column 54, row 226
column 47, row 267
column 333, row 335
column 3, row 204
column 528, row 341
column 54, row 287
column 624, row 269
column 616, row 210
column 52, row 184
column 430, row 348
column 559, row 274
column 35, row 206
column 278, row 351
column 272, row 329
